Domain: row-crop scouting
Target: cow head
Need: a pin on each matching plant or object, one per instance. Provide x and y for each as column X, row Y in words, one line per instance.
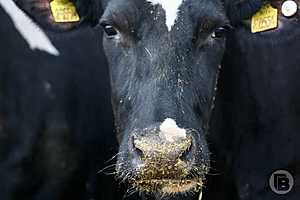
column 37, row 19
column 164, row 59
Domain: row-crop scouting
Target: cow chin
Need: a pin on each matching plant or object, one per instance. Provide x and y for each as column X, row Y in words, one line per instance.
column 166, row 179
column 169, row 186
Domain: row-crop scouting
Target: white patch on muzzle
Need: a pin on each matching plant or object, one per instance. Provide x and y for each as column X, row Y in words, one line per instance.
column 171, row 9
column 30, row 31
column 170, row 131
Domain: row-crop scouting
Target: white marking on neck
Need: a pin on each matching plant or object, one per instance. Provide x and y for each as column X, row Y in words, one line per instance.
column 31, row 32
column 170, row 131
column 171, row 9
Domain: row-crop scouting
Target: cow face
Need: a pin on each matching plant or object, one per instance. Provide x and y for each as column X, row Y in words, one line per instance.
column 164, row 58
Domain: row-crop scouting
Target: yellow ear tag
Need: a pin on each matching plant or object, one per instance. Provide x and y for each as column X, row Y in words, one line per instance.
column 64, row 11
column 265, row 19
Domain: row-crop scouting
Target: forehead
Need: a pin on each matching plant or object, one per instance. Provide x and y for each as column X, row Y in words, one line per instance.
column 170, row 8
column 167, row 11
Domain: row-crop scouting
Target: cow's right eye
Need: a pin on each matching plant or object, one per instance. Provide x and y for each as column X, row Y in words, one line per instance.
column 221, row 31
column 110, row 31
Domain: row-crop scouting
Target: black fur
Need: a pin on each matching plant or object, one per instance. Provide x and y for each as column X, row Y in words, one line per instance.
column 55, row 115
column 256, row 121
column 238, row 10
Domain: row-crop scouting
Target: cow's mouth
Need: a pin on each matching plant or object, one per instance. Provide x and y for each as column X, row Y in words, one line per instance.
column 168, row 179
column 169, row 186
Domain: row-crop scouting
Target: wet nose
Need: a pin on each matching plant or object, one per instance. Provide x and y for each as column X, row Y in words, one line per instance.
column 164, row 144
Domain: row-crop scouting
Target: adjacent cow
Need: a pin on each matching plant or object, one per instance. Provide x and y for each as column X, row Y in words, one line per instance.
column 258, row 113
column 56, row 120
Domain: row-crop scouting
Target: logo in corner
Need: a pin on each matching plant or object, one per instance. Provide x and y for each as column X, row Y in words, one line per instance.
column 281, row 182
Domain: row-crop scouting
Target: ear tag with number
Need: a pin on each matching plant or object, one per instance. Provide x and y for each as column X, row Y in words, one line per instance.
column 64, row 11
column 265, row 19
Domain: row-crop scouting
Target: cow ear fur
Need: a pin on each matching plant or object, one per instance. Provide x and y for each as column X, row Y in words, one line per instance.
column 91, row 10
column 238, row 10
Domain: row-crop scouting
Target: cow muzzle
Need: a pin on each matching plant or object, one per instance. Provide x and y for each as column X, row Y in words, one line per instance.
column 163, row 159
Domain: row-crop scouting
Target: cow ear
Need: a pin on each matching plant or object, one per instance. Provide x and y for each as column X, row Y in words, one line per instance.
column 91, row 10
column 238, row 10
column 62, row 15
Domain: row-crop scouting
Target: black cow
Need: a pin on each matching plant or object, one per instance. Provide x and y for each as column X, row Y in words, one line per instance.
column 163, row 73
column 56, row 120
column 257, row 112
column 164, row 59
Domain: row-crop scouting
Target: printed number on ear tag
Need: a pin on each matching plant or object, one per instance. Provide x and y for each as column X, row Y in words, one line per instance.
column 265, row 19
column 64, row 11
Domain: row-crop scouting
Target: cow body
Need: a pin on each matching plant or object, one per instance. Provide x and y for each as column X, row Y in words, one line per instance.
column 56, row 119
column 256, row 120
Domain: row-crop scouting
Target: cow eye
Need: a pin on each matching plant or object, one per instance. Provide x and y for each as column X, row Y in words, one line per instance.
column 221, row 31
column 110, row 31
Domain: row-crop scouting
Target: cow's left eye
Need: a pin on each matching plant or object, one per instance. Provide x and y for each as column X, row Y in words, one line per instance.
column 109, row 30
column 221, row 31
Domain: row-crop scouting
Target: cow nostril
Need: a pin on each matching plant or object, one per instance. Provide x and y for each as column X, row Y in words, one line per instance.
column 138, row 153
column 187, row 154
